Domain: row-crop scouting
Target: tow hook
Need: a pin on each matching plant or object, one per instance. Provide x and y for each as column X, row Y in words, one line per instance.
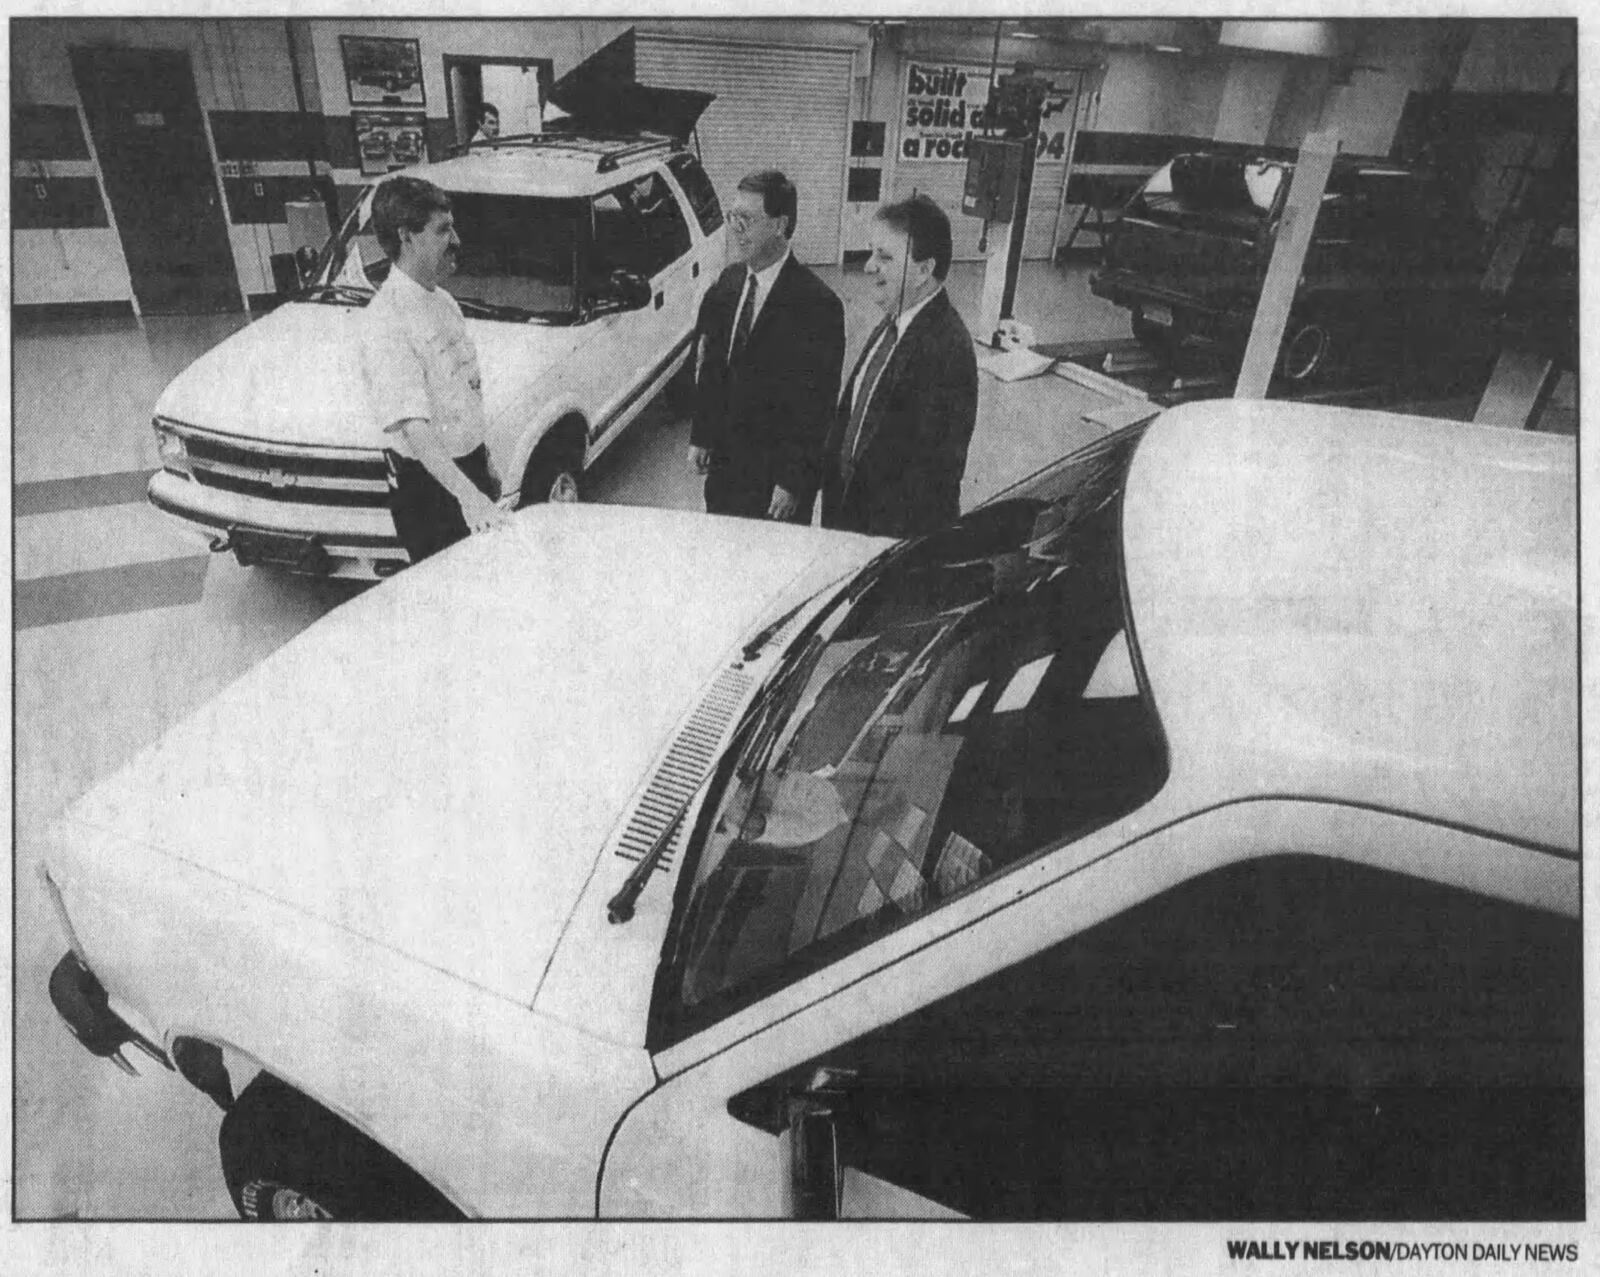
column 223, row 543
column 81, row 1001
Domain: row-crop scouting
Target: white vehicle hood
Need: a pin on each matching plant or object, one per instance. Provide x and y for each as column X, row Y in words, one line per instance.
column 437, row 765
column 294, row 376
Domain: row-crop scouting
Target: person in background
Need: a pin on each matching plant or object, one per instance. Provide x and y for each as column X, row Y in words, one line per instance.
column 488, row 123
column 420, row 371
column 770, row 344
column 898, row 447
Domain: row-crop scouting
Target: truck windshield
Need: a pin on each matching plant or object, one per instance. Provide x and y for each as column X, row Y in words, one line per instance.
column 974, row 706
column 517, row 258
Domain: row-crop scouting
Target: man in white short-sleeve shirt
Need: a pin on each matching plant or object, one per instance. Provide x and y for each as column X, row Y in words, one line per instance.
column 422, row 379
column 488, row 123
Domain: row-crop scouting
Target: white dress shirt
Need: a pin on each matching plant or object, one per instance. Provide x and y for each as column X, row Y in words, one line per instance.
column 902, row 321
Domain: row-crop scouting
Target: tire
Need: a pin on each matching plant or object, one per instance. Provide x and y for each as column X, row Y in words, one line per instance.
column 286, row 1158
column 551, row 476
column 1306, row 355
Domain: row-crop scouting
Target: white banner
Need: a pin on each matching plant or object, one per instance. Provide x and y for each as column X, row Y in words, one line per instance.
column 944, row 105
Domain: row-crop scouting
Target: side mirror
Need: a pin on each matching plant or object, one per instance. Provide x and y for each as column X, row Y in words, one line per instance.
column 305, row 263
column 628, row 290
column 815, row 1179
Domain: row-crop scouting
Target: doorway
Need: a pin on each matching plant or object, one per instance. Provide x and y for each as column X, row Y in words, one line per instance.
column 517, row 88
column 144, row 116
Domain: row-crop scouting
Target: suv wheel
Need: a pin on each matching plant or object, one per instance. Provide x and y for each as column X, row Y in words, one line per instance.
column 1306, row 351
column 287, row 1158
column 551, row 476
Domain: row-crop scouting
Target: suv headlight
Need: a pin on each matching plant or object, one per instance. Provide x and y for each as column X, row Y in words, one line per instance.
column 172, row 449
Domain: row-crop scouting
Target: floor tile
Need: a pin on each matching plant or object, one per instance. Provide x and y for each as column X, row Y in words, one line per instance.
column 97, row 537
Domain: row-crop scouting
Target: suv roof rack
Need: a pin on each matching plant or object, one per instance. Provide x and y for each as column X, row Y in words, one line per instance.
column 611, row 150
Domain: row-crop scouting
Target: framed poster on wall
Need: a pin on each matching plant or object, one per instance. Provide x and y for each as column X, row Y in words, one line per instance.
column 382, row 71
column 388, row 139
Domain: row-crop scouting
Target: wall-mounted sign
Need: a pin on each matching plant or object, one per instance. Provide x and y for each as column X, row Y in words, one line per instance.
column 388, row 139
column 381, row 71
column 943, row 108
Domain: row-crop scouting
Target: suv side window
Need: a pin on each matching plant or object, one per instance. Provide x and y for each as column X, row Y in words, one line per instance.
column 697, row 186
column 1293, row 1038
column 638, row 227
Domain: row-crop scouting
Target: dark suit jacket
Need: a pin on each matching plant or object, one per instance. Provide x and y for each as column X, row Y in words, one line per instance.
column 912, row 452
column 765, row 420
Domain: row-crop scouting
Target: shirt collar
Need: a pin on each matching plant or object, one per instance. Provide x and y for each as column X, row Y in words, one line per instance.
column 903, row 320
column 768, row 275
column 400, row 279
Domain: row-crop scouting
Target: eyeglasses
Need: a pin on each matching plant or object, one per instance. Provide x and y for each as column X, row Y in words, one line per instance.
column 744, row 221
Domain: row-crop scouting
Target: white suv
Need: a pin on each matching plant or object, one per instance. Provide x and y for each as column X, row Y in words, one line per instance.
column 583, row 260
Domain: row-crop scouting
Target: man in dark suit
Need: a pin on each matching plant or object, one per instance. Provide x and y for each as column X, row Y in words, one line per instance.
column 770, row 344
column 898, row 447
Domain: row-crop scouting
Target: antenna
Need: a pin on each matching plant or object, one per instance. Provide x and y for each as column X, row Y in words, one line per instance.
column 905, row 266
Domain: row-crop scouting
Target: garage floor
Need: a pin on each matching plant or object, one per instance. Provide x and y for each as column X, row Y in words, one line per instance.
column 122, row 628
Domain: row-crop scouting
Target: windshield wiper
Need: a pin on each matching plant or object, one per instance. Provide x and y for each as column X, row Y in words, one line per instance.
column 762, row 709
column 620, row 907
column 480, row 309
column 763, row 636
column 344, row 292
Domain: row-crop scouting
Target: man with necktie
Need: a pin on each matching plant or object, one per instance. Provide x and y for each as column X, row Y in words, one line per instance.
column 770, row 346
column 898, row 447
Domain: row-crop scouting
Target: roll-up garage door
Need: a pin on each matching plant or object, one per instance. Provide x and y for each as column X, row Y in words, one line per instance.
column 777, row 107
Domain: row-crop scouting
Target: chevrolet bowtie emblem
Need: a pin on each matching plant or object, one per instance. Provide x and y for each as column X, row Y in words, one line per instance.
column 280, row 479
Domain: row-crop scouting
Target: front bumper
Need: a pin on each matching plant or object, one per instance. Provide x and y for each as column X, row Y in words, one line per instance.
column 355, row 543
column 1191, row 315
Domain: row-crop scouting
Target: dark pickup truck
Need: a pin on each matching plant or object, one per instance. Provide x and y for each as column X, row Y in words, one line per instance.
column 1392, row 271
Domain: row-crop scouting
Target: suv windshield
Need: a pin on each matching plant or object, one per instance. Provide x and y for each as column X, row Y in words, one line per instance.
column 517, row 258
column 975, row 705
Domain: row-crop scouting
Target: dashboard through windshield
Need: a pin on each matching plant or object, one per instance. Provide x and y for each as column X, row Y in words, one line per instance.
column 977, row 704
column 517, row 261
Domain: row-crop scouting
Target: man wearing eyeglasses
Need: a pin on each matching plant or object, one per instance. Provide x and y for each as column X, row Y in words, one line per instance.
column 770, row 346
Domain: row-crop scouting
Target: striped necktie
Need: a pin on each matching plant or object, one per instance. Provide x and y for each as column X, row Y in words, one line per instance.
column 884, row 338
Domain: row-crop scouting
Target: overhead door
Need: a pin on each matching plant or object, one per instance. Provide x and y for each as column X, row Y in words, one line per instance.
column 777, row 107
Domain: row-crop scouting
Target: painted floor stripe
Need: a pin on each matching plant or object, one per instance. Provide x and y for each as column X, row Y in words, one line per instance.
column 51, row 496
column 133, row 587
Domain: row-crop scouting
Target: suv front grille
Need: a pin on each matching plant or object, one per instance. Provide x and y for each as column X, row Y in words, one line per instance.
column 285, row 476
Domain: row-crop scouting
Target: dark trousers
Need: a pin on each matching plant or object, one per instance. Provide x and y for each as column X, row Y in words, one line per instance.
column 745, row 491
column 427, row 518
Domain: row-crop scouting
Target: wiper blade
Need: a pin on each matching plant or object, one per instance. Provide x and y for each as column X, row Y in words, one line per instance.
column 344, row 292
column 763, row 709
column 481, row 309
column 763, row 636
column 620, row 907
